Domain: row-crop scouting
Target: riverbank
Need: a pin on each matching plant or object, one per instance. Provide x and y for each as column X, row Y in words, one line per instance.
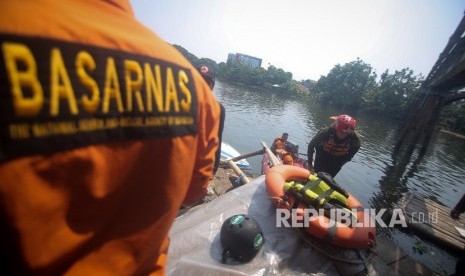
column 389, row 260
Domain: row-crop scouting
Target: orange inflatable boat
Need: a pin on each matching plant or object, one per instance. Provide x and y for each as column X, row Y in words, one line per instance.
column 282, row 188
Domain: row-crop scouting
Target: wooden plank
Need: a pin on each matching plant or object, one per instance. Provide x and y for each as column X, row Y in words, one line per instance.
column 437, row 236
column 432, row 203
column 431, row 207
column 433, row 221
column 427, row 208
column 443, row 233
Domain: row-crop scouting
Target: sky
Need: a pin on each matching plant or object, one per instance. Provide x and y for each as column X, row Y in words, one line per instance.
column 309, row 37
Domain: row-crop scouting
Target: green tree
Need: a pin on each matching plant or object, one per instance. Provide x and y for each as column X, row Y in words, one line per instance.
column 308, row 83
column 206, row 61
column 241, row 73
column 453, row 116
column 236, row 72
column 257, row 76
column 347, row 85
column 395, row 93
column 191, row 57
column 277, row 75
column 222, row 70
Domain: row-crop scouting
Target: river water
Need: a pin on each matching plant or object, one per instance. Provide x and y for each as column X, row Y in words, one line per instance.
column 372, row 176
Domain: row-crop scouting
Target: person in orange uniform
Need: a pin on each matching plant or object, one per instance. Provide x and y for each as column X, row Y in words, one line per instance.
column 287, row 158
column 335, row 145
column 209, row 77
column 106, row 130
column 283, row 149
column 279, row 144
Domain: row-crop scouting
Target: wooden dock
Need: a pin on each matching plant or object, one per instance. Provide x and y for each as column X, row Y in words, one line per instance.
column 432, row 221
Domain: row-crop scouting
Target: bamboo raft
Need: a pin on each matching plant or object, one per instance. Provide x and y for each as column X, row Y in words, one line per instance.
column 433, row 222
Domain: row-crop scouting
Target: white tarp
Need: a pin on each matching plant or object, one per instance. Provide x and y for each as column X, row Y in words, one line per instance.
column 195, row 247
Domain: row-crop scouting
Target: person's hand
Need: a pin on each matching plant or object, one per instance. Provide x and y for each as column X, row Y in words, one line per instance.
column 454, row 214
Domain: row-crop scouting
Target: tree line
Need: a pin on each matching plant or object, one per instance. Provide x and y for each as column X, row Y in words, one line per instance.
column 354, row 86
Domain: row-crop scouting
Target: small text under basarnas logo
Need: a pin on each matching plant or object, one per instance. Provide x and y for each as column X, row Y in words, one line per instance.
column 351, row 218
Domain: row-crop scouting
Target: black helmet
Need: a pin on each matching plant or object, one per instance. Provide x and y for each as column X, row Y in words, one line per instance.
column 207, row 74
column 241, row 238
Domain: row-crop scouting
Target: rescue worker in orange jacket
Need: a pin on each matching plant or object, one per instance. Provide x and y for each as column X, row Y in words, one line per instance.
column 279, row 144
column 209, row 77
column 334, row 145
column 105, row 131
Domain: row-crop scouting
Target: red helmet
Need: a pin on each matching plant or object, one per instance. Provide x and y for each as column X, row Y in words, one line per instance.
column 344, row 123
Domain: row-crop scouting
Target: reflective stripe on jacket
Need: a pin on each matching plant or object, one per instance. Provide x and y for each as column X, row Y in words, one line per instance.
column 331, row 147
column 325, row 141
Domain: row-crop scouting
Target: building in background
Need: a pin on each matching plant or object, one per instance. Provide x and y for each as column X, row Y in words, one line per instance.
column 245, row 60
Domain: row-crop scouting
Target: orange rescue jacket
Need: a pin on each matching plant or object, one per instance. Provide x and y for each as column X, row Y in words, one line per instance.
column 105, row 131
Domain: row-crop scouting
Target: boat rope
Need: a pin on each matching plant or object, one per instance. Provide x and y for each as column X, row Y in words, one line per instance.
column 364, row 261
column 280, row 202
column 239, row 179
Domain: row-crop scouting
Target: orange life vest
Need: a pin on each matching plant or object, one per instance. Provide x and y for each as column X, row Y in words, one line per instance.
column 287, row 159
column 331, row 147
